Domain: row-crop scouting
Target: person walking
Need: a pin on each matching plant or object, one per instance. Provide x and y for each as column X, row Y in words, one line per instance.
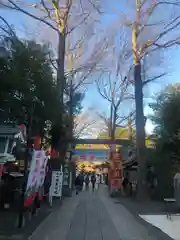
column 78, row 184
column 125, row 183
column 87, row 182
column 98, row 180
column 93, row 181
column 81, row 176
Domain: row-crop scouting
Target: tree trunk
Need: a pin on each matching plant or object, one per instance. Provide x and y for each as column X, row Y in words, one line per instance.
column 140, row 133
column 110, row 121
column 60, row 66
column 71, row 120
column 114, row 124
column 61, row 81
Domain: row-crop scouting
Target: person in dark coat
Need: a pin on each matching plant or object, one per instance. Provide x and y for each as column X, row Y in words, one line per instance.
column 87, row 182
column 78, row 184
column 125, row 183
column 93, row 181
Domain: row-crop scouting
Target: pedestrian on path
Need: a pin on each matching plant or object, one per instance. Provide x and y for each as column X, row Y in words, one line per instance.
column 125, row 183
column 93, row 181
column 98, row 180
column 81, row 176
column 87, row 182
column 78, row 184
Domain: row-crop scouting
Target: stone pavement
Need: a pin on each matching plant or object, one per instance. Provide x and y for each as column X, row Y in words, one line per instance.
column 91, row 216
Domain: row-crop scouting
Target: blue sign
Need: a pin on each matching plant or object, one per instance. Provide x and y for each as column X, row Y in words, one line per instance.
column 89, row 152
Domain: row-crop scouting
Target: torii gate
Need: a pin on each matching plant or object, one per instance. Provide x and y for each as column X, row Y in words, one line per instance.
column 123, row 142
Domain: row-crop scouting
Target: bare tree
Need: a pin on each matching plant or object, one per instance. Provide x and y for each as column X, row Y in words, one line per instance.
column 114, row 83
column 81, row 66
column 162, row 38
column 154, row 25
column 63, row 17
column 115, row 89
column 86, row 124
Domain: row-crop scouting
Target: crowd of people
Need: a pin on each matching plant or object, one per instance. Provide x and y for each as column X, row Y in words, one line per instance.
column 85, row 180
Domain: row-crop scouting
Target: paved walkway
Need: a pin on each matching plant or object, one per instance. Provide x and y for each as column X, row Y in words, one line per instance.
column 91, row 216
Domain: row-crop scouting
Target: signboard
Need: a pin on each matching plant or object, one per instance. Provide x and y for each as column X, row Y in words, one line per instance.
column 91, row 146
column 66, row 175
column 1, row 170
column 36, row 176
column 91, row 156
column 42, row 171
column 115, row 168
column 38, row 159
column 56, row 184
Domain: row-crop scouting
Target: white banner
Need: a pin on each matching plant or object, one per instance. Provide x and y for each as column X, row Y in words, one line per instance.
column 42, row 171
column 56, row 184
column 37, row 161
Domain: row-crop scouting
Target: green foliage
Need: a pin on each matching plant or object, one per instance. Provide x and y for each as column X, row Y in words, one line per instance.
column 27, row 85
column 76, row 102
column 28, row 90
column 167, row 121
column 166, row 118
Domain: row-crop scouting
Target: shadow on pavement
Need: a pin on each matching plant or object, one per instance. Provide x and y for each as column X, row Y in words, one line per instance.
column 8, row 221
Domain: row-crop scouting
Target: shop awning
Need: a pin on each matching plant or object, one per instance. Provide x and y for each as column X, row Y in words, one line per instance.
column 6, row 131
column 4, row 158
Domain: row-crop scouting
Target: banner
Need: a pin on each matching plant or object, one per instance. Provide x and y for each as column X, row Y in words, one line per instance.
column 1, row 170
column 34, row 178
column 115, row 175
column 56, row 185
column 42, row 171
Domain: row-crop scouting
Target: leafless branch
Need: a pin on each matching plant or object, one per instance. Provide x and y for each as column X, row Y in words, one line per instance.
column 14, row 6
column 154, row 78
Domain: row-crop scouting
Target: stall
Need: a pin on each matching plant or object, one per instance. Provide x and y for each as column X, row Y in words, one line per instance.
column 10, row 176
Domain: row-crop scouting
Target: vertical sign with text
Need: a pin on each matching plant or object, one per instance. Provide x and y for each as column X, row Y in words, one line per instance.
column 56, row 185
column 115, row 168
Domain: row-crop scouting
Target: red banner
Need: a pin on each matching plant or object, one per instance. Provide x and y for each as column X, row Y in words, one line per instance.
column 1, row 169
column 115, row 169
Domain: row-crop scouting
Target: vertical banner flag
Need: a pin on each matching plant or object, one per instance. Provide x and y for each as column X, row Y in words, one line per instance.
column 115, row 168
column 37, row 171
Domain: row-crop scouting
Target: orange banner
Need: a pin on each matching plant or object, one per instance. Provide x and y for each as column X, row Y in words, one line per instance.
column 115, row 169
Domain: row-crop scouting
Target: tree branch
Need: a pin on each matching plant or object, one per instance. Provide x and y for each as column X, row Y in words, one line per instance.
column 154, row 78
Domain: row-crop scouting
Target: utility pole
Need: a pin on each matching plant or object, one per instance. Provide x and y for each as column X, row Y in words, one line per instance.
column 140, row 131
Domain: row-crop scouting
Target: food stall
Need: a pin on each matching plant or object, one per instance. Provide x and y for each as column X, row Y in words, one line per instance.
column 11, row 144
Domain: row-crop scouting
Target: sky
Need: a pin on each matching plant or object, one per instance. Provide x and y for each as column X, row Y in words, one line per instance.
column 26, row 27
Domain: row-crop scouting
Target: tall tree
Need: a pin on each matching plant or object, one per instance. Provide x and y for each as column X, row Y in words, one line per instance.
column 72, row 20
column 61, row 16
column 167, row 137
column 145, row 16
column 167, row 127
column 115, row 89
column 87, row 124
column 26, row 81
column 152, row 28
